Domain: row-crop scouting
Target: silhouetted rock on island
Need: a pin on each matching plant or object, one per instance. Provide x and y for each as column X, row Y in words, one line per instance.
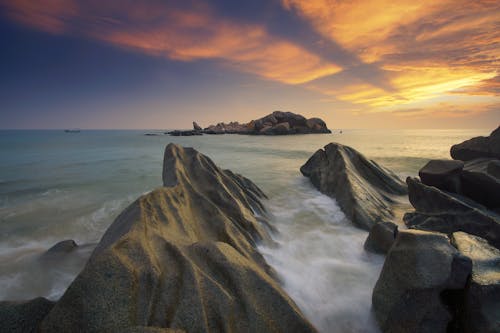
column 366, row 192
column 478, row 147
column 276, row 123
column 414, row 292
column 182, row 257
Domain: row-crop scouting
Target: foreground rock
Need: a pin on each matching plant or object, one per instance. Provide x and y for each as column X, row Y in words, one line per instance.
column 436, row 210
column 366, row 192
column 414, row 292
column 481, row 309
column 478, row 147
column 23, row 317
column 481, row 182
column 181, row 257
column 443, row 174
column 381, row 237
column 276, row 123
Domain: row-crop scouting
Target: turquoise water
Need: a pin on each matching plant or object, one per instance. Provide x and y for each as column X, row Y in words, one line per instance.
column 56, row 185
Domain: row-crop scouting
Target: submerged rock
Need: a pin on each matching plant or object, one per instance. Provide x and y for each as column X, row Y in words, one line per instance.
column 182, row 257
column 415, row 288
column 23, row 317
column 366, row 192
column 481, row 309
column 478, row 147
column 436, row 210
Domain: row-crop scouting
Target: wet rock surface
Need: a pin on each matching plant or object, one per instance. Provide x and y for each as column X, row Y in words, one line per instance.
column 366, row 192
column 182, row 257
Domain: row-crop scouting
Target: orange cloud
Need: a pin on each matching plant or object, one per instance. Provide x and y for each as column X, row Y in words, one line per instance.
column 176, row 33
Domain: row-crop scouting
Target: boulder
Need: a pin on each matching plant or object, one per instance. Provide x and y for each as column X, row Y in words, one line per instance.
column 481, row 309
column 197, row 127
column 23, row 317
column 281, row 128
column 443, row 174
column 182, row 257
column 381, row 237
column 416, row 284
column 478, row 147
column 436, row 210
column 481, row 181
column 366, row 192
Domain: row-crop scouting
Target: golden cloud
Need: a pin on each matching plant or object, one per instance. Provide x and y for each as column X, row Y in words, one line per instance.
column 176, row 33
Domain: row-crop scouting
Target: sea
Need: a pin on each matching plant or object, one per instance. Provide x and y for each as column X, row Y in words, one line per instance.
column 56, row 186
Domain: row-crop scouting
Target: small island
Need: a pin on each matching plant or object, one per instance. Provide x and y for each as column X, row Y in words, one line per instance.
column 276, row 123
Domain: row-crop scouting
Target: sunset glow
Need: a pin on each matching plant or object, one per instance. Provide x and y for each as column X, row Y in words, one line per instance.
column 371, row 57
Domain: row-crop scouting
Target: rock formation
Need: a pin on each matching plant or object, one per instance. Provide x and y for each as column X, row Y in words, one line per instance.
column 366, row 192
column 182, row 257
column 478, row 147
column 481, row 310
column 381, row 237
column 454, row 199
column 276, row 123
column 414, row 292
column 23, row 317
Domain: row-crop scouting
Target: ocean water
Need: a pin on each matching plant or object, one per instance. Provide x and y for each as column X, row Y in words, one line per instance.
column 56, row 186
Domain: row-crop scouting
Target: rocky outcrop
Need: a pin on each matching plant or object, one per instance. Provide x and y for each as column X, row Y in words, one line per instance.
column 276, row 123
column 415, row 290
column 478, row 147
column 23, row 317
column 481, row 182
column 443, row 174
column 182, row 257
column 197, row 127
column 366, row 192
column 436, row 210
column 381, row 237
column 481, row 309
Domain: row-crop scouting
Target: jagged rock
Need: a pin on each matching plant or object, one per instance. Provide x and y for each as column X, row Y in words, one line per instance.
column 366, row 192
column 481, row 309
column 412, row 293
column 381, row 237
column 64, row 246
column 478, row 147
column 182, row 257
column 436, row 210
column 443, row 174
column 23, row 317
column 197, row 127
column 481, row 181
column 276, row 123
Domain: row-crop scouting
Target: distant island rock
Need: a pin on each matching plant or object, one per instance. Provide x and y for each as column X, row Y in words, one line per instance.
column 276, row 123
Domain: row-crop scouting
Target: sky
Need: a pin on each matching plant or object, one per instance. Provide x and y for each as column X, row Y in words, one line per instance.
column 160, row 64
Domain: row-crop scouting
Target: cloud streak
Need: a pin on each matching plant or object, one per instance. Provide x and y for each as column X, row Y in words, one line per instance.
column 185, row 34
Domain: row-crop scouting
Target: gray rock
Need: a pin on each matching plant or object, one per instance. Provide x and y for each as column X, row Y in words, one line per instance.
column 366, row 192
column 64, row 246
column 182, row 257
column 436, row 210
column 443, row 174
column 481, row 310
column 381, row 237
column 197, row 127
column 411, row 294
column 478, row 147
column 23, row 317
column 481, row 181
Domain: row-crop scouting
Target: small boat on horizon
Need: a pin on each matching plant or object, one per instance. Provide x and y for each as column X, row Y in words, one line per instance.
column 75, row 130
